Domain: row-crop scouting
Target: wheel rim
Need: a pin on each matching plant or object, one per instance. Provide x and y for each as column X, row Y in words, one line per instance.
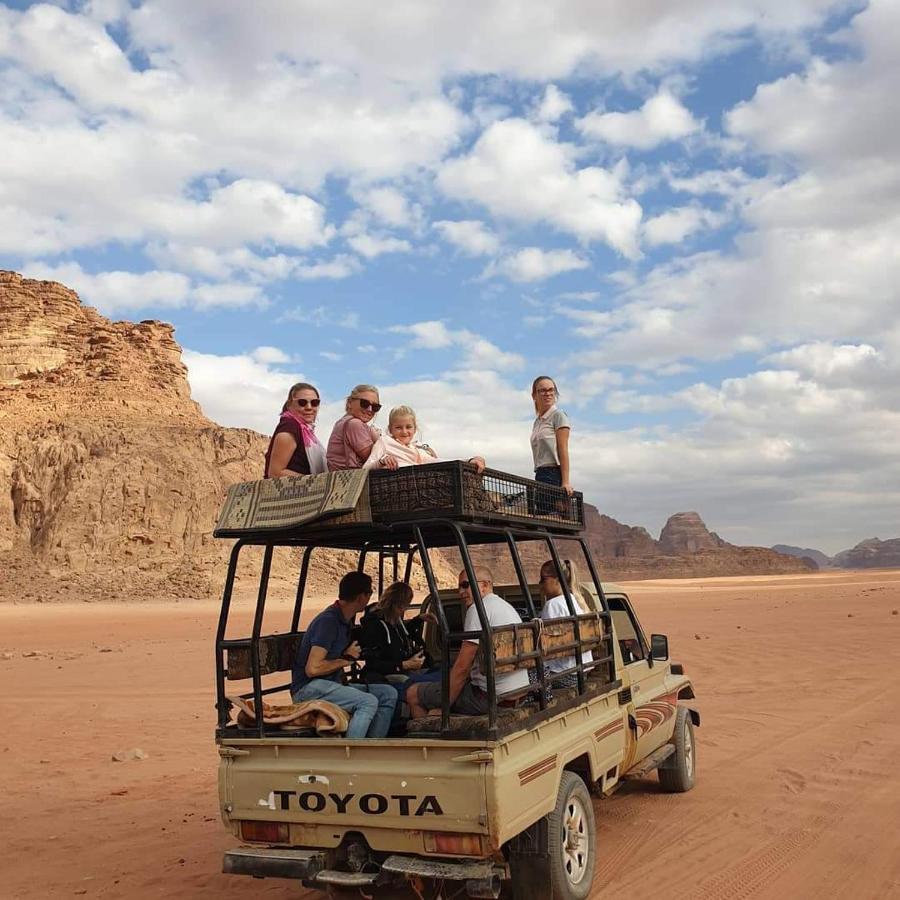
column 574, row 843
column 689, row 752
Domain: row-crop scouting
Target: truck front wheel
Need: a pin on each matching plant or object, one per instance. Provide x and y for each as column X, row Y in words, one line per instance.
column 676, row 774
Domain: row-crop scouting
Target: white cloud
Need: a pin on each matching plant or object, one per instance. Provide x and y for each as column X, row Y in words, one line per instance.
column 432, row 335
column 535, row 264
column 553, row 105
column 240, row 390
column 119, row 291
column 471, row 236
column 662, row 118
column 390, row 207
column 114, row 292
column 478, row 353
column 674, row 225
column 269, row 356
column 370, row 245
column 520, row 172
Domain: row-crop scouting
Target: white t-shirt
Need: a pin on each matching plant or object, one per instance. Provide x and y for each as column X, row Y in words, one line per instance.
column 498, row 612
column 555, row 608
column 543, row 436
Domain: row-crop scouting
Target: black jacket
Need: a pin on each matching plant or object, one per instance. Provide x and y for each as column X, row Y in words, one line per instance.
column 385, row 645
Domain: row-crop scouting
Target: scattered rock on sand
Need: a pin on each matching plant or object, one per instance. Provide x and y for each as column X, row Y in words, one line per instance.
column 697, row 637
column 125, row 755
column 7, row 655
column 33, row 654
column 893, row 612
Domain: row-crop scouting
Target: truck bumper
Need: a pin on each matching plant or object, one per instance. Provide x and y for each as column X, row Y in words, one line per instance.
column 273, row 863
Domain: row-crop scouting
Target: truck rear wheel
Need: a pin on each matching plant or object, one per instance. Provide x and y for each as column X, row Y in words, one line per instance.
column 571, row 836
column 554, row 859
column 676, row 774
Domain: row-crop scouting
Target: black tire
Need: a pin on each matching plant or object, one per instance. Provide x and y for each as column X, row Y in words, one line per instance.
column 572, row 835
column 676, row 774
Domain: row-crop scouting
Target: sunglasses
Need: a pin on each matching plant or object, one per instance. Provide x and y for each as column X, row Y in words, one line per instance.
column 365, row 404
column 545, row 391
column 302, row 402
column 464, row 585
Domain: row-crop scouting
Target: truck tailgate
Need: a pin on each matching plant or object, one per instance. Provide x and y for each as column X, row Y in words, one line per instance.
column 323, row 787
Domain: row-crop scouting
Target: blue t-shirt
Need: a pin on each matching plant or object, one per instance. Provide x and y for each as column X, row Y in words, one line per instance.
column 329, row 629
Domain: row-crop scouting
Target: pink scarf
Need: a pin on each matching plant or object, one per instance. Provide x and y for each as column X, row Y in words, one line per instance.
column 309, row 437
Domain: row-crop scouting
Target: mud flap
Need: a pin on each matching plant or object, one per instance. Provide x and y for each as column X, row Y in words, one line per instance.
column 529, row 857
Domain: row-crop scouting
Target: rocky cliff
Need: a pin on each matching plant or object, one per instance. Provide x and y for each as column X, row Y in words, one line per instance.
column 114, row 475
column 870, row 554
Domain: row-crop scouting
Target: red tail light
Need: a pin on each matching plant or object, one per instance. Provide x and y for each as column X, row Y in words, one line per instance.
column 266, row 832
column 454, row 844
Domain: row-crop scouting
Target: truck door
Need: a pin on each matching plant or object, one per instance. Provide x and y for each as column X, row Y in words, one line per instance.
column 647, row 708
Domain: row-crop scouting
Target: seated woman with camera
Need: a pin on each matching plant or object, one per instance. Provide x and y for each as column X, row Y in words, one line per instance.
column 392, row 647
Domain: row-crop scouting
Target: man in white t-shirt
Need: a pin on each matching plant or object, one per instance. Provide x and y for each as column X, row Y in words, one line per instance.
column 468, row 684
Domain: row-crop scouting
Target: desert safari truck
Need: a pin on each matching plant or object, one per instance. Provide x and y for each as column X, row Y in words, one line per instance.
column 463, row 802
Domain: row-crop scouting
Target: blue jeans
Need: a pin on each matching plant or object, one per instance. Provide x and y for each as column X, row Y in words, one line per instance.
column 371, row 706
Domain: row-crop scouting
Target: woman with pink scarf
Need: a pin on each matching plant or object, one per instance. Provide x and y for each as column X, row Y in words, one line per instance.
column 294, row 448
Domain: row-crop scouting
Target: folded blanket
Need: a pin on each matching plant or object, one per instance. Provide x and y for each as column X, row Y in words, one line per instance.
column 324, row 717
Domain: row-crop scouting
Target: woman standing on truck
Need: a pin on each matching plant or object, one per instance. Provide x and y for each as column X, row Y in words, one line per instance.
column 549, row 435
column 353, row 435
column 555, row 607
column 294, row 448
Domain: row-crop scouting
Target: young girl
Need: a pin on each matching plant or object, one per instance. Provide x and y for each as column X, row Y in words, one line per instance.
column 399, row 448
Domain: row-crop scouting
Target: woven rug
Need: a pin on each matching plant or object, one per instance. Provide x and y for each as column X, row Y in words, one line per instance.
column 279, row 503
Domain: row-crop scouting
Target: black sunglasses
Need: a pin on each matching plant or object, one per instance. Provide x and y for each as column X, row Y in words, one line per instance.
column 302, row 402
column 464, row 585
column 365, row 404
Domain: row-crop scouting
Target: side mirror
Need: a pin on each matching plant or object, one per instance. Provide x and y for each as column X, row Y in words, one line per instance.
column 659, row 647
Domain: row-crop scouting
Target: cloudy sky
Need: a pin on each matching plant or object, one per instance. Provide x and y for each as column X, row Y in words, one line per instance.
column 686, row 211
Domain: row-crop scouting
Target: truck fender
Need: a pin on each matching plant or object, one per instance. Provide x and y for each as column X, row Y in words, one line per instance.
column 686, row 693
column 695, row 717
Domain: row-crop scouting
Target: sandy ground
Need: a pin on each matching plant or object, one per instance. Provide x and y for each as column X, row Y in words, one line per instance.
column 798, row 792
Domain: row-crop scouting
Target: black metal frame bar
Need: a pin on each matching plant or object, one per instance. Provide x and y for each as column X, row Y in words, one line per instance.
column 460, row 534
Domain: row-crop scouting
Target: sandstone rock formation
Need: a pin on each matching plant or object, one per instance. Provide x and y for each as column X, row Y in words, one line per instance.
column 870, row 554
column 685, row 532
column 114, row 475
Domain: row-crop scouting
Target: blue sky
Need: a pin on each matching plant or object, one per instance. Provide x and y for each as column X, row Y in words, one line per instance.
column 687, row 213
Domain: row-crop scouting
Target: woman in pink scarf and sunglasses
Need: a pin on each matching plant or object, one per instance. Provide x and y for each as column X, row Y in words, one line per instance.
column 294, row 448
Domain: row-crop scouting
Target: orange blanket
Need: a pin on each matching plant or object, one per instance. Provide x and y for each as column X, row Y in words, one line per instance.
column 325, row 717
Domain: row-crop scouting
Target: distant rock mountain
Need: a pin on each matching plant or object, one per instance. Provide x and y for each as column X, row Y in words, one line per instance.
column 820, row 559
column 686, row 533
column 870, row 554
column 686, row 549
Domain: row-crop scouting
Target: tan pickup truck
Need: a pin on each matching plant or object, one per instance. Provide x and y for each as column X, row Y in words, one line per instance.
column 471, row 800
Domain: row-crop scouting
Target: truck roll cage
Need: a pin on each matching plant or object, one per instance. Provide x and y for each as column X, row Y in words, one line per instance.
column 524, row 645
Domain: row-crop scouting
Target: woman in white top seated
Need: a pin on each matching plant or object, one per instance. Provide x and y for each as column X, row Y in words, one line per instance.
column 555, row 607
column 399, row 447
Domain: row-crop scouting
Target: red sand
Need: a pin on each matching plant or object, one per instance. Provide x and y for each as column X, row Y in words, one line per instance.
column 798, row 791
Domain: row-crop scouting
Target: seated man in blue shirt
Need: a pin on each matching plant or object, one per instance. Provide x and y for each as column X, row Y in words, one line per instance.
column 326, row 650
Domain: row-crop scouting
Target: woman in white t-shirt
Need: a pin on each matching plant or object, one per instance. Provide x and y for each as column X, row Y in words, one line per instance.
column 549, row 435
column 555, row 607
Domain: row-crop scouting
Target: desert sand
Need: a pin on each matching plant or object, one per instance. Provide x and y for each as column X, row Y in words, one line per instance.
column 798, row 791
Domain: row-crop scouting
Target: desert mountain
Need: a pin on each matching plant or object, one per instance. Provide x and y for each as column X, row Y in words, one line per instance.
column 685, row 549
column 822, row 560
column 115, row 475
column 870, row 554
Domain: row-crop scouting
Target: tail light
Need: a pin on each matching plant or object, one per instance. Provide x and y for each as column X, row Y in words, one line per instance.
column 266, row 832
column 454, row 844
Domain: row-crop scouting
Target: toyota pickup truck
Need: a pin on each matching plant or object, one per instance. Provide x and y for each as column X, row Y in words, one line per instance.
column 476, row 801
